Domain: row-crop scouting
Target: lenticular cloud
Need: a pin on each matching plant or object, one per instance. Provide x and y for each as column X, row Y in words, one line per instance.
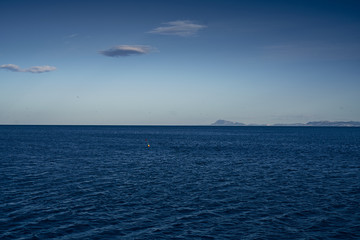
column 125, row 50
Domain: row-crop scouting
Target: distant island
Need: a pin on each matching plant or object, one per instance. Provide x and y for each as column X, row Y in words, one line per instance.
column 227, row 123
column 221, row 122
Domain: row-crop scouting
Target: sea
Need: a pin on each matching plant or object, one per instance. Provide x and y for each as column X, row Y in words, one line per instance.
column 179, row 182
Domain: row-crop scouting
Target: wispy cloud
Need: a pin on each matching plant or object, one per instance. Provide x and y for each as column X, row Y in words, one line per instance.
column 125, row 50
column 74, row 35
column 35, row 69
column 178, row 28
column 313, row 50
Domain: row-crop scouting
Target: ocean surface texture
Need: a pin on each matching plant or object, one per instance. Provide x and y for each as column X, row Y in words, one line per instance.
column 104, row 182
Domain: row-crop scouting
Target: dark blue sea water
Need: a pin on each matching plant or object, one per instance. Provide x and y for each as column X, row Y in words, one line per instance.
column 103, row 182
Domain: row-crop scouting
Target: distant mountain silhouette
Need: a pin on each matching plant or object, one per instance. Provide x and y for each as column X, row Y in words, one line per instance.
column 334, row 124
column 309, row 124
column 324, row 124
column 226, row 123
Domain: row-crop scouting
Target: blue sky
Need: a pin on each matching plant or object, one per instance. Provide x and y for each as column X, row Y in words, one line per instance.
column 179, row 62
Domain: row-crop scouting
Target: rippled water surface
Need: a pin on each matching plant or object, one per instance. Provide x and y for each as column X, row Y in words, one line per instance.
column 82, row 182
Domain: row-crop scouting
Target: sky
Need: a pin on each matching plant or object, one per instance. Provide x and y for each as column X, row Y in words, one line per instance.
column 179, row 62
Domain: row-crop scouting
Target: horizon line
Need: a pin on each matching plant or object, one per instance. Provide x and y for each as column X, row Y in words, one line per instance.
column 169, row 125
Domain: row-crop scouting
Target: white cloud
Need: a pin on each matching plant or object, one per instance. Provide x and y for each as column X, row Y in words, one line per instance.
column 35, row 69
column 179, row 28
column 125, row 50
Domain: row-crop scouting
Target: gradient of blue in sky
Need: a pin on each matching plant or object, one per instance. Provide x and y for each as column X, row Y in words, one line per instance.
column 179, row 62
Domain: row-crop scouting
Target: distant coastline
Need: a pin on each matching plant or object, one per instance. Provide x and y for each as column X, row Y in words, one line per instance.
column 217, row 123
column 221, row 122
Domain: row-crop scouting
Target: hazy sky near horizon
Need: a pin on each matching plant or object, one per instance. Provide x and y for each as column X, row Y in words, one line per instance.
column 179, row 61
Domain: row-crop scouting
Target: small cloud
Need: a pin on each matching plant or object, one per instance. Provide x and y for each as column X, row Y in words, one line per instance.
column 40, row 69
column 11, row 67
column 35, row 69
column 125, row 50
column 178, row 28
